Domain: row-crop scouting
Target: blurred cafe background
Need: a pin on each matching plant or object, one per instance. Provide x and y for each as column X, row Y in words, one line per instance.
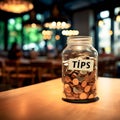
column 40, row 28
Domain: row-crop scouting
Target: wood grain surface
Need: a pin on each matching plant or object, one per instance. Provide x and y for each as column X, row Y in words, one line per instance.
column 43, row 102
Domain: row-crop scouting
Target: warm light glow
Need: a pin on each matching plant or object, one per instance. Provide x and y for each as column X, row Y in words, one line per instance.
column 118, row 18
column 47, row 34
column 33, row 25
column 63, row 23
column 110, row 32
column 16, row 6
column 100, row 23
column 57, row 25
column 70, row 32
column 57, row 37
column 53, row 24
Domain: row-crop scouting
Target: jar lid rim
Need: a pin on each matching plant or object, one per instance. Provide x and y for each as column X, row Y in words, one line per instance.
column 83, row 39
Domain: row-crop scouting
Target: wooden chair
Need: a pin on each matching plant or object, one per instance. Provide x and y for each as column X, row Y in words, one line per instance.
column 44, row 70
column 110, row 68
column 19, row 72
column 2, row 72
column 107, row 68
column 101, row 68
column 4, row 81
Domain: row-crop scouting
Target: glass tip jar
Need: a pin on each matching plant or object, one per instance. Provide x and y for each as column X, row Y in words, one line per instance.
column 79, row 70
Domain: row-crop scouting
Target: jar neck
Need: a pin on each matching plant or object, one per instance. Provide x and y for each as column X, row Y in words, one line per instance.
column 79, row 40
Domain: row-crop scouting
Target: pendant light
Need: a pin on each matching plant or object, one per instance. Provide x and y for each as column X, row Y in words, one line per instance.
column 57, row 20
column 32, row 22
column 16, row 6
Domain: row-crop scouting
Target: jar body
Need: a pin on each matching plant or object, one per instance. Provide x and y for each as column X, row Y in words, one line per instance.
column 79, row 70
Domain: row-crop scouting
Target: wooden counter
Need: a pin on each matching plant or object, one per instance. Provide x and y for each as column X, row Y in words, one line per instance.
column 43, row 102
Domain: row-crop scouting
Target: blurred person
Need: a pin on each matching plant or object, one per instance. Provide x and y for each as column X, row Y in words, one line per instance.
column 15, row 52
column 33, row 54
column 104, row 54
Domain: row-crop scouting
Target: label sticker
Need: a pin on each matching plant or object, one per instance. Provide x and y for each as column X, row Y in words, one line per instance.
column 80, row 64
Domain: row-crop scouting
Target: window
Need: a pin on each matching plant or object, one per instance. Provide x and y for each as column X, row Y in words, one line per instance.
column 1, row 35
column 116, row 33
column 14, row 31
column 104, row 31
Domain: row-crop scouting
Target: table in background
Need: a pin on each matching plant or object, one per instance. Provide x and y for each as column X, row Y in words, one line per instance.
column 43, row 102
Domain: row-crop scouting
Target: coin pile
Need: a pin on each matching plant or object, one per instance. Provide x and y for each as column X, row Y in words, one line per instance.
column 79, row 84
